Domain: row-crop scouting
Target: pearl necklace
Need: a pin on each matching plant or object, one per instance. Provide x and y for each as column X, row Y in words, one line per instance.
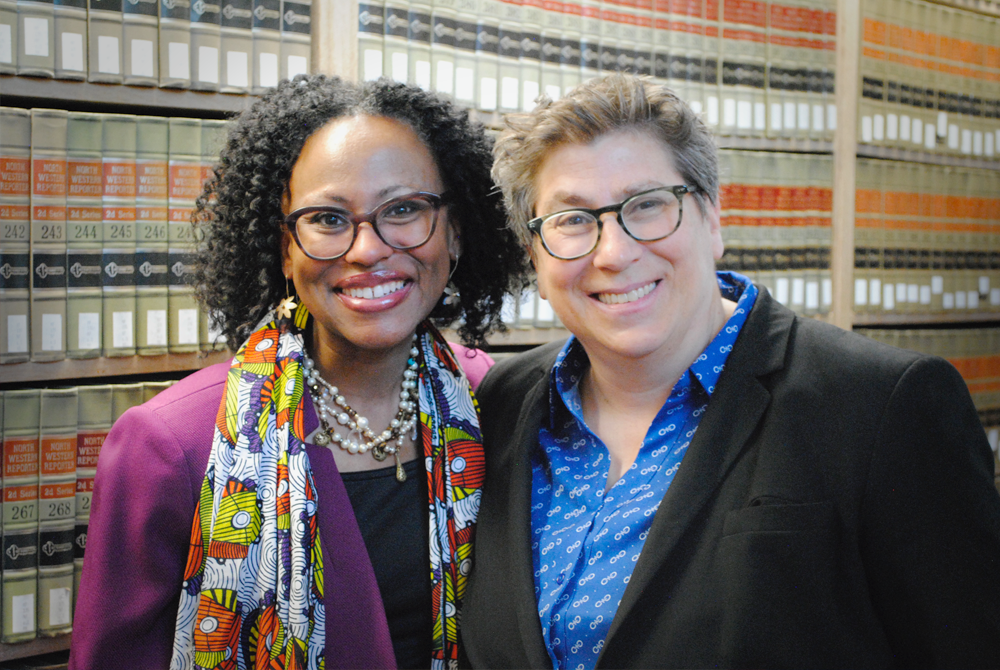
column 360, row 438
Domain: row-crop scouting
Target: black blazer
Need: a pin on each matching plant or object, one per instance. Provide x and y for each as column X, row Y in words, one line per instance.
column 836, row 508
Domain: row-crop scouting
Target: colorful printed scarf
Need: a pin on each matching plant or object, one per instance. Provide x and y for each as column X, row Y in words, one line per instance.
column 253, row 585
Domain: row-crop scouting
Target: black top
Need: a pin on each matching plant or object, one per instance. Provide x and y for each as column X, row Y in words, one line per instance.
column 393, row 518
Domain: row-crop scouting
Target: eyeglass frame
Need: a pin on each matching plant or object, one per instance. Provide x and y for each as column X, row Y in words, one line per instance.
column 437, row 201
column 535, row 225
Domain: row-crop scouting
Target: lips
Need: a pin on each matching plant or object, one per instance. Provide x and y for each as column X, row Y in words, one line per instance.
column 627, row 296
column 373, row 291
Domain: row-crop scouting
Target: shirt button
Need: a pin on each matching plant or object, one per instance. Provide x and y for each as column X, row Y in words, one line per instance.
column 560, row 579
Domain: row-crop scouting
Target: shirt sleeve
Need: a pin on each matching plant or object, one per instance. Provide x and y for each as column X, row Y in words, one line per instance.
column 143, row 505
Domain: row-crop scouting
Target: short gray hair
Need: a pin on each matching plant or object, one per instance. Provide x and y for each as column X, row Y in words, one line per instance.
column 598, row 106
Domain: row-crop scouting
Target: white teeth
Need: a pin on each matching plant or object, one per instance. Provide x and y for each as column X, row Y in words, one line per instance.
column 370, row 293
column 619, row 298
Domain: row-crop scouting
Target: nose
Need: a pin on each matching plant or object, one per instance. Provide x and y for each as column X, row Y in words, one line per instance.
column 615, row 250
column 368, row 248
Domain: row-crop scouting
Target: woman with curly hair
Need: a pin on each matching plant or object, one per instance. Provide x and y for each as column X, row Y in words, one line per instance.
column 281, row 510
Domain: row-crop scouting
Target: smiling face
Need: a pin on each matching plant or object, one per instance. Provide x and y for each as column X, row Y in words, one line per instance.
column 627, row 298
column 374, row 296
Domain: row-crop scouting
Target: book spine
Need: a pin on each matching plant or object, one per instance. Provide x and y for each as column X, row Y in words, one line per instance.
column 104, row 41
column 119, row 235
column 140, row 32
column 15, row 227
column 395, row 38
column 467, row 12
column 8, row 36
column 184, row 186
column 569, row 56
column 296, row 45
column 266, row 32
column 213, row 136
column 151, row 233
column 371, row 18
column 206, row 35
column 509, row 56
column 70, row 46
column 48, row 234
column 175, row 43
column 531, row 53
column 36, row 38
column 236, row 42
column 419, row 42
column 94, row 419
column 487, row 55
column 442, row 47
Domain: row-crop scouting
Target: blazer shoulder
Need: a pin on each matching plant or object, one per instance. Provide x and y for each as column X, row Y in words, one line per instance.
column 517, row 374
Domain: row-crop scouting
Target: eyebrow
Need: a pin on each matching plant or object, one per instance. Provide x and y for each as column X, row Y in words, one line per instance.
column 572, row 199
column 382, row 195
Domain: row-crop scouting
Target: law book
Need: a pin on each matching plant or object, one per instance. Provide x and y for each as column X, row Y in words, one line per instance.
column 21, row 421
column 466, row 15
column 236, row 43
column 94, row 420
column 15, row 227
column 48, row 234
column 56, row 509
column 569, row 61
column 118, row 277
column 8, row 36
column 744, row 57
column 104, row 41
column 590, row 39
column 151, row 389
column 83, row 234
column 442, row 47
column 70, row 29
column 419, row 43
column 213, row 137
column 206, row 40
column 509, row 56
column 140, row 32
column 175, row 43
column 296, row 42
column 553, row 21
column 184, row 186
column 371, row 19
column 152, row 144
column 487, row 55
column 531, row 53
column 36, row 37
column 266, row 33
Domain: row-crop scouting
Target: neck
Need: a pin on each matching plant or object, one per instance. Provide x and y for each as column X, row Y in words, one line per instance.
column 364, row 376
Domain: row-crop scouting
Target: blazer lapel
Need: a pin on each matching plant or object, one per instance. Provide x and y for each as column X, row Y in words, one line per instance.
column 736, row 407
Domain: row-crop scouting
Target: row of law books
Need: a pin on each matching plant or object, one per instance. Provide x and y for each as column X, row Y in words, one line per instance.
column 926, row 238
column 51, row 442
column 233, row 46
column 930, row 78
column 752, row 67
column 776, row 224
column 96, row 241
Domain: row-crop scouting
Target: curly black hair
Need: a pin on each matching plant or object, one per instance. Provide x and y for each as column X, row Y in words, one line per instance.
column 238, row 218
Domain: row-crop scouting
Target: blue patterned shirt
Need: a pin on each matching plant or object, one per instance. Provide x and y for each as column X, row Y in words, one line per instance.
column 585, row 542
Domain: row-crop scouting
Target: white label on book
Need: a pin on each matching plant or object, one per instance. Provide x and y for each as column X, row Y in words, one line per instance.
column 827, row 292
column 818, row 118
column 775, row 116
column 6, row 47
column 913, row 293
column 948, row 301
column 59, row 606
column 178, row 65
column 712, row 110
column 187, row 326
column 299, row 65
column 996, row 141
column 891, row 126
column 937, row 284
column 929, row 138
column 988, row 144
column 508, row 92
column 553, row 92
column 860, row 292
column 23, row 614
column 918, row 131
column 744, row 114
column 952, row 136
column 72, row 52
column 977, row 143
column 237, row 69
column 995, row 296
column 789, row 120
column 107, row 55
column 942, row 124
column 399, row 66
column 268, row 69
column 488, row 93
column 798, row 290
column 866, row 129
column 984, row 285
column 545, row 313
column 372, row 64
column 973, row 300
column 531, row 91
column 122, row 336
column 878, row 128
column 900, row 292
column 36, row 36
column 831, row 117
column 208, row 65
column 156, row 328
column 960, row 299
column 696, row 106
column 89, row 329
column 925, row 295
column 759, row 116
column 17, row 334
column 445, row 81
column 422, row 74
column 52, row 332
column 875, row 291
column 465, row 84
column 994, row 437
column 781, row 290
column 904, row 127
column 803, row 120
column 142, row 58
column 888, row 297
column 966, row 141
column 812, row 295
column 728, row 112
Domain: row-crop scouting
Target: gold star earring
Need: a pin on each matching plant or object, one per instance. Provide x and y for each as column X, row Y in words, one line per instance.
column 288, row 305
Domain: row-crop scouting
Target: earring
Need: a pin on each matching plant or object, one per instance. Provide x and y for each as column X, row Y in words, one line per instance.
column 452, row 296
column 287, row 306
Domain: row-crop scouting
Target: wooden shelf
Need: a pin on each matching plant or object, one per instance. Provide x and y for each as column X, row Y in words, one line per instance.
column 36, row 647
column 896, row 154
column 988, row 7
column 918, row 319
column 21, row 373
column 789, row 144
column 86, row 96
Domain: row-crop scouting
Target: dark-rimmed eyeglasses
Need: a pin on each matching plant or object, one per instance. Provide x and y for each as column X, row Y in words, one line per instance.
column 325, row 233
column 648, row 216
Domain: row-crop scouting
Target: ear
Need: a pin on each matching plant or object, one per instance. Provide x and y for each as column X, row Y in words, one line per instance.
column 713, row 219
column 454, row 241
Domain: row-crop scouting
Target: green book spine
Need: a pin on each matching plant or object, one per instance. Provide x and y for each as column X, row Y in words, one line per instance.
column 71, row 39
column 151, row 389
column 8, row 37
column 20, row 514
column 175, row 43
column 104, row 41
column 184, row 187
column 119, row 235
column 151, row 230
column 36, row 38
column 237, row 46
column 213, row 136
column 140, row 32
column 15, row 227
column 48, row 234
column 56, row 509
column 94, row 419
column 83, row 235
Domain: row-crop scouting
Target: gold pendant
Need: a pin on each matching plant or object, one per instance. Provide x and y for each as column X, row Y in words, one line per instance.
column 286, row 307
column 400, row 472
column 378, row 453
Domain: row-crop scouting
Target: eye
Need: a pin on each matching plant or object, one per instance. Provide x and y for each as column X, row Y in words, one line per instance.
column 403, row 211
column 326, row 220
column 569, row 219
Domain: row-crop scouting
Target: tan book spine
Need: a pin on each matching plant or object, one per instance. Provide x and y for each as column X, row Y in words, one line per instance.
column 184, row 186
column 118, row 279
column 15, row 229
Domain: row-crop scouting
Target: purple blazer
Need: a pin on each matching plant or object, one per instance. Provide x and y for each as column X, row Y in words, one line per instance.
column 148, row 478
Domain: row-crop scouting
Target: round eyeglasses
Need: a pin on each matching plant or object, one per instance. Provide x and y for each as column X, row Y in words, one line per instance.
column 326, row 233
column 648, row 216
